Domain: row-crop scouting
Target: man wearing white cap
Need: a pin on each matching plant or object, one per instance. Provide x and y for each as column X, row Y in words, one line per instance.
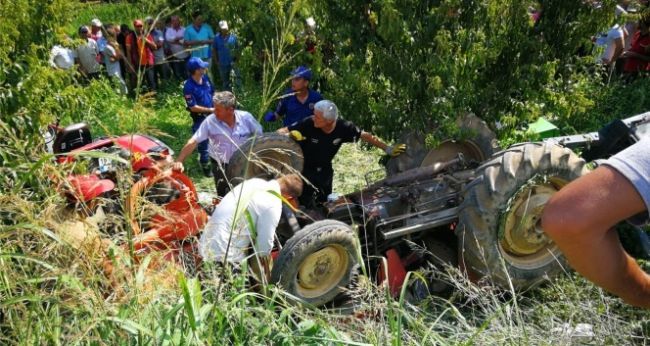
column 95, row 29
column 86, row 55
column 225, row 51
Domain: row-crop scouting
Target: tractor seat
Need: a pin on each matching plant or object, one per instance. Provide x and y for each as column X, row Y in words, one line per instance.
column 72, row 137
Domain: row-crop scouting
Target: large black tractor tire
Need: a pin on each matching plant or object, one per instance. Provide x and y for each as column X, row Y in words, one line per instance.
column 266, row 156
column 479, row 145
column 317, row 263
column 499, row 231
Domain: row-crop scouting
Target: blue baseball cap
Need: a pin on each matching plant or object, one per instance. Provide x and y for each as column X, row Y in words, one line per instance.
column 301, row 72
column 196, row 63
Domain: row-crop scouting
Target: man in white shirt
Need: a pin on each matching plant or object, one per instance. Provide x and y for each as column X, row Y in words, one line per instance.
column 243, row 224
column 62, row 57
column 615, row 43
column 87, row 55
column 227, row 129
column 174, row 37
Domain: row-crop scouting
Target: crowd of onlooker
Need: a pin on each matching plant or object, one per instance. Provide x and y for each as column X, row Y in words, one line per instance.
column 625, row 47
column 155, row 49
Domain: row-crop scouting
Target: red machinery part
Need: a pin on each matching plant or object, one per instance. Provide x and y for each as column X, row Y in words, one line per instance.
column 140, row 146
column 183, row 217
column 88, row 187
column 396, row 272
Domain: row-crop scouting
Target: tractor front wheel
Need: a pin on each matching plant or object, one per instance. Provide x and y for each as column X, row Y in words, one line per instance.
column 318, row 262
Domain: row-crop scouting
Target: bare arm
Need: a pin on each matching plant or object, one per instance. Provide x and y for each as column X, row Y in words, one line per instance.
column 186, row 151
column 579, row 218
column 151, row 44
column 201, row 109
column 284, row 130
column 372, row 139
column 618, row 50
column 635, row 55
column 215, row 54
column 128, row 51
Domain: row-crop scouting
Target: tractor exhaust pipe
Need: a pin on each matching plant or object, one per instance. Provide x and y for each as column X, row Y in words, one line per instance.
column 422, row 172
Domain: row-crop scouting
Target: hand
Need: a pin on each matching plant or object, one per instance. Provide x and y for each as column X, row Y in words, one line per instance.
column 269, row 116
column 296, row 135
column 178, row 166
column 396, row 150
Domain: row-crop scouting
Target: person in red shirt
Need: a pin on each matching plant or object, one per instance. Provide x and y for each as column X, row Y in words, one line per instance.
column 139, row 47
column 638, row 56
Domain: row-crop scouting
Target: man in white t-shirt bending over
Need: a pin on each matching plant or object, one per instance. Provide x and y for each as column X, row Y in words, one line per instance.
column 614, row 41
column 249, row 214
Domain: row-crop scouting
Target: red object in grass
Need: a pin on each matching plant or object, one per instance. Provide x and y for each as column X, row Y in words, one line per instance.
column 89, row 186
column 396, row 272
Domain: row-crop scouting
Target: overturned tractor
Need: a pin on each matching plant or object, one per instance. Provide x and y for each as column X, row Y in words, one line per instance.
column 465, row 203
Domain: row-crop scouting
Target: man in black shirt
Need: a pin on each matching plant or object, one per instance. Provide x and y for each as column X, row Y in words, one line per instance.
column 320, row 137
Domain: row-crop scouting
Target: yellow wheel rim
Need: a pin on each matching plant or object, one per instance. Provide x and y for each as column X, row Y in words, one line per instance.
column 321, row 271
column 523, row 236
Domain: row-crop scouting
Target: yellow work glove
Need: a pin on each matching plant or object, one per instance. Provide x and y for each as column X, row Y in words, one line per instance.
column 396, row 150
column 296, row 135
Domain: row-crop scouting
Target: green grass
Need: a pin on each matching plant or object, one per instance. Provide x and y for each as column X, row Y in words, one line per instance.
column 51, row 293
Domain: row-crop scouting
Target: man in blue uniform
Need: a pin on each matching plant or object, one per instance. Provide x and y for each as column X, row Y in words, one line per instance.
column 198, row 91
column 225, row 50
column 298, row 102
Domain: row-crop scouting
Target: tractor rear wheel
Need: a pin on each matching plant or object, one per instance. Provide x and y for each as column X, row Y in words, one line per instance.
column 265, row 156
column 318, row 262
column 499, row 231
column 479, row 146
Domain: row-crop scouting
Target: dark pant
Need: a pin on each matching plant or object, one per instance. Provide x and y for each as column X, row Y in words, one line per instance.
column 179, row 68
column 203, row 146
column 162, row 71
column 149, row 76
column 220, row 179
column 321, row 178
column 224, row 75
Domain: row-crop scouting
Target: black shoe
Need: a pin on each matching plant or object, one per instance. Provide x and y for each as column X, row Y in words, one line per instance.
column 207, row 170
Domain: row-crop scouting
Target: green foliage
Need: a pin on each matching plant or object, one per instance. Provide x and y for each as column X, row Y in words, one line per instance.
column 399, row 64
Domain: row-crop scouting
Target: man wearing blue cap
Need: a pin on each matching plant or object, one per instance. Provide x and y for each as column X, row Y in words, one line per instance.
column 298, row 102
column 198, row 92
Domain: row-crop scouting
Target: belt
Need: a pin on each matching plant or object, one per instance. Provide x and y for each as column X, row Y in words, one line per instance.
column 199, row 115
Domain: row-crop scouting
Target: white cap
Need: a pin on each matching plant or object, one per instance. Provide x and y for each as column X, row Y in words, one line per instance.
column 311, row 22
column 223, row 25
column 96, row 22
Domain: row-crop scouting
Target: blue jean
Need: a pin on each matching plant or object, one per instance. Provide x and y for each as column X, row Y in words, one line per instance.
column 224, row 74
column 204, row 158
